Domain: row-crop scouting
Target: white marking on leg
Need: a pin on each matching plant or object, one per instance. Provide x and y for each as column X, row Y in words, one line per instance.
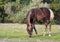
column 50, row 33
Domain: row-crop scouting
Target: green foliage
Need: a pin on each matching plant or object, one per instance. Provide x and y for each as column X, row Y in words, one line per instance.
column 16, row 10
column 24, row 2
column 55, row 6
column 20, row 16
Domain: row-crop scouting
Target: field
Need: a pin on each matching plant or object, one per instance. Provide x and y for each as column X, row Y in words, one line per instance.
column 18, row 32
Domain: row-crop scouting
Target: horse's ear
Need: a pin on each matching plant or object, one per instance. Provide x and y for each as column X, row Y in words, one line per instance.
column 51, row 14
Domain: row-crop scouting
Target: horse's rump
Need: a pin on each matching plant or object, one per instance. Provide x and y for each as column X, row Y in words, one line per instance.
column 51, row 14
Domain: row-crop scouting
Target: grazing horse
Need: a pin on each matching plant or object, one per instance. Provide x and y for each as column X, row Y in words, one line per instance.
column 37, row 14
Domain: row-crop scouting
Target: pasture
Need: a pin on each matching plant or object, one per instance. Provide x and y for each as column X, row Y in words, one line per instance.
column 16, row 30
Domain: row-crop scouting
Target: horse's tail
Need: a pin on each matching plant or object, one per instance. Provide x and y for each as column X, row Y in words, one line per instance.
column 51, row 14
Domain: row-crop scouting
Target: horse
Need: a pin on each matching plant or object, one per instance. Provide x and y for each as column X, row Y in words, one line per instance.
column 37, row 14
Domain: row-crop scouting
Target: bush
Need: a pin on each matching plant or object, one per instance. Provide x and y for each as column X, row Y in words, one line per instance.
column 56, row 9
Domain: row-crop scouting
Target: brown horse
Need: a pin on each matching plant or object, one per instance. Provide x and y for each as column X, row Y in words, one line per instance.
column 37, row 14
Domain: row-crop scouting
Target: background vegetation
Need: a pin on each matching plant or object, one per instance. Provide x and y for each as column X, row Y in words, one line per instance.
column 14, row 11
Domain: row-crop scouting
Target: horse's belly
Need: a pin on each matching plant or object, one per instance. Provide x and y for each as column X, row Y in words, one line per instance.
column 39, row 17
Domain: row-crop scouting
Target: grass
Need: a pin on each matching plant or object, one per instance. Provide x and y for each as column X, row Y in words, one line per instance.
column 19, row 31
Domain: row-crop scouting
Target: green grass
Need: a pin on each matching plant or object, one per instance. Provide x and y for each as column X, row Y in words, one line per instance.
column 19, row 31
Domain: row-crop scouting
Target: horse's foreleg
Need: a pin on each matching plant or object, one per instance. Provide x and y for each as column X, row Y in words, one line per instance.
column 33, row 26
column 35, row 30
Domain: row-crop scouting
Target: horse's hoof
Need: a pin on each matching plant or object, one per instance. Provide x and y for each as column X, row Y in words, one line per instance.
column 49, row 34
column 29, row 36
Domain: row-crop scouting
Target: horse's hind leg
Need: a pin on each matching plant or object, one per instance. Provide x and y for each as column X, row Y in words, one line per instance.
column 49, row 29
column 45, row 29
column 47, row 22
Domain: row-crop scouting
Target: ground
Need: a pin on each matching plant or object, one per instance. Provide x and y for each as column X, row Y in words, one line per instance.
column 17, row 33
